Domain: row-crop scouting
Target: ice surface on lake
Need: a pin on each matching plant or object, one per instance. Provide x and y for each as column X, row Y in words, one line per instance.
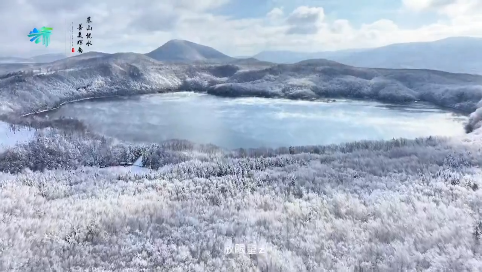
column 256, row 122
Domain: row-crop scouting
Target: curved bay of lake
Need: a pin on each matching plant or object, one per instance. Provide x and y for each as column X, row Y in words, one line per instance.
column 256, row 122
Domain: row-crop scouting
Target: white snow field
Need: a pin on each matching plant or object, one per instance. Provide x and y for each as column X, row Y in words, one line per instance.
column 400, row 205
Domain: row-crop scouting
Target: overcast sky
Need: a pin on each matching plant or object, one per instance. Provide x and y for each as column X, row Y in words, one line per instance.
column 237, row 27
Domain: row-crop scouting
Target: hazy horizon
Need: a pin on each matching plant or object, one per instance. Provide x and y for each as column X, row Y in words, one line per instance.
column 248, row 56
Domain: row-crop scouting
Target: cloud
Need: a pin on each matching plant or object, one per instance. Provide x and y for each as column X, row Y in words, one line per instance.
column 450, row 8
column 419, row 5
column 340, row 26
column 53, row 6
column 305, row 20
column 461, row 18
column 306, row 15
column 463, row 8
column 275, row 13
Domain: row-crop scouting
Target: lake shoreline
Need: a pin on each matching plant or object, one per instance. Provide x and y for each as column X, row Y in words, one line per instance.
column 37, row 120
column 327, row 99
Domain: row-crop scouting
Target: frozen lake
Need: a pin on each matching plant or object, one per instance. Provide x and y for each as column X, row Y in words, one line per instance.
column 255, row 122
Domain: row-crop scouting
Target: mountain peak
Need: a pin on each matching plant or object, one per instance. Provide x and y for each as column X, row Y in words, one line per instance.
column 178, row 41
column 185, row 51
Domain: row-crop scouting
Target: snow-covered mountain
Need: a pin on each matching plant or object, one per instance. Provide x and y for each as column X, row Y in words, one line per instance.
column 186, row 51
column 457, row 55
column 47, row 85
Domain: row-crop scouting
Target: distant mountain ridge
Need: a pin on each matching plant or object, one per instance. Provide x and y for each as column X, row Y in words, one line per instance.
column 456, row 55
column 290, row 57
column 45, row 58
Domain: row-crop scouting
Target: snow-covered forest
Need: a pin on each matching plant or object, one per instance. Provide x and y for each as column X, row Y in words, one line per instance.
column 400, row 205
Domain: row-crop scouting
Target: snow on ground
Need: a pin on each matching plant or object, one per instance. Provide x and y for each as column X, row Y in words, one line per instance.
column 369, row 206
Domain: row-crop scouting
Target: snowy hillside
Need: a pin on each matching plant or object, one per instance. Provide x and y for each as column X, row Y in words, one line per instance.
column 48, row 85
column 321, row 78
column 40, row 87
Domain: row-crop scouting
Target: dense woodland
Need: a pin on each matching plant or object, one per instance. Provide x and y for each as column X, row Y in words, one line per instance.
column 400, row 205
